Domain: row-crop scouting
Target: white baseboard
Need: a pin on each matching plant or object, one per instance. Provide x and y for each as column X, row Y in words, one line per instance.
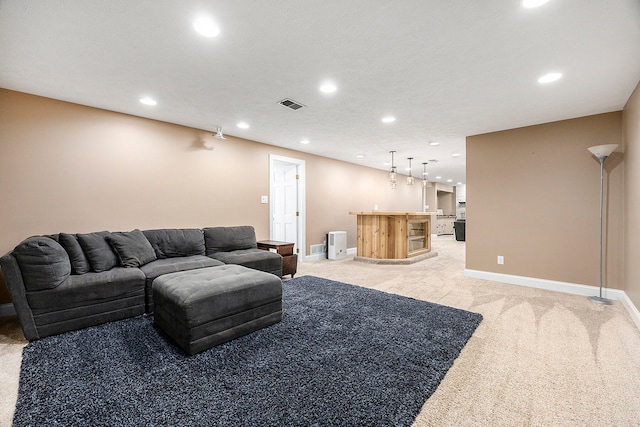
column 632, row 309
column 314, row 257
column 7, row 310
column 552, row 285
column 318, row 257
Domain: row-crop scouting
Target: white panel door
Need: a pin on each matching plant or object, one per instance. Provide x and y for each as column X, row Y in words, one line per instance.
column 285, row 202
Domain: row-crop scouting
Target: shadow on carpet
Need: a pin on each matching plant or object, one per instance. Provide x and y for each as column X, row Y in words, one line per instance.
column 342, row 355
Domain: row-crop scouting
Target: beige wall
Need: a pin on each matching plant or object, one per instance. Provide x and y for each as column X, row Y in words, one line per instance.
column 631, row 136
column 533, row 197
column 67, row 167
column 532, row 192
column 333, row 191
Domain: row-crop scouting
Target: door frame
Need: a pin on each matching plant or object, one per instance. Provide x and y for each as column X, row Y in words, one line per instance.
column 301, row 193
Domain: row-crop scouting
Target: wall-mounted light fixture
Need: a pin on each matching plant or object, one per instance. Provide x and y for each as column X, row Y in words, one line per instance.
column 219, row 133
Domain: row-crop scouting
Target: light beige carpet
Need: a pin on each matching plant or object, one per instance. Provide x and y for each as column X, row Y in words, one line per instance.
column 539, row 358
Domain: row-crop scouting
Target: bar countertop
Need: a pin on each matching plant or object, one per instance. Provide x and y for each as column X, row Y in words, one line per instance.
column 391, row 213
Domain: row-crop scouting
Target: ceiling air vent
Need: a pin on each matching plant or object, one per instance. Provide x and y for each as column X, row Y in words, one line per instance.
column 289, row 103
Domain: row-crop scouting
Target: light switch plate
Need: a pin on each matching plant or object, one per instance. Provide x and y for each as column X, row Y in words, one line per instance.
column 264, row 199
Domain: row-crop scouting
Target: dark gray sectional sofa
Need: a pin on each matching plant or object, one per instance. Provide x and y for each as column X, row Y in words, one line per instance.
column 64, row 282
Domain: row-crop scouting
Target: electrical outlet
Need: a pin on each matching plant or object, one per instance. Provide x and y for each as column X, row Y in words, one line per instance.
column 500, row 259
column 264, row 200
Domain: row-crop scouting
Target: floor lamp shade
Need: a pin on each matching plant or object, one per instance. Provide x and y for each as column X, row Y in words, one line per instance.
column 601, row 152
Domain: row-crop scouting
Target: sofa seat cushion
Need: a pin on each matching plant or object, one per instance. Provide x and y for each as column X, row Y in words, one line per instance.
column 176, row 242
column 253, row 258
column 44, row 264
column 160, row 267
column 89, row 289
column 171, row 265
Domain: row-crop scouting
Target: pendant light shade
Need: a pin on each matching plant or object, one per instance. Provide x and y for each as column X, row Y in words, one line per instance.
column 425, row 181
column 410, row 177
column 393, row 174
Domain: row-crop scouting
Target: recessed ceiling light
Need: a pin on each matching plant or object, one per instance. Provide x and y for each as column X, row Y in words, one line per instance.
column 206, row 27
column 455, row 155
column 459, row 183
column 388, row 119
column 387, row 164
column 305, row 141
column 147, row 100
column 360, row 156
column 533, row 3
column 550, row 77
column 449, row 180
column 438, row 177
column 434, row 143
column 328, row 87
column 243, row 125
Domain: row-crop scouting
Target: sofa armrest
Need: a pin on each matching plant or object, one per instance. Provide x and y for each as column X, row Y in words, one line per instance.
column 13, row 278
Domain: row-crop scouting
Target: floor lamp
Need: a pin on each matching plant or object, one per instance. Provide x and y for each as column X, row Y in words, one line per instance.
column 601, row 152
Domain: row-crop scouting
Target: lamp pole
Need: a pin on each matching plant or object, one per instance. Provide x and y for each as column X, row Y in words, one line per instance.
column 601, row 152
column 599, row 299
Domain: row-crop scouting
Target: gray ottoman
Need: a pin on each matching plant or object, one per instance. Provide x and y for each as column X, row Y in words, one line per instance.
column 202, row 308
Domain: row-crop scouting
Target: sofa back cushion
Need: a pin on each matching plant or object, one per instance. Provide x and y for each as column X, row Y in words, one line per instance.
column 44, row 264
column 225, row 239
column 176, row 242
column 98, row 251
column 79, row 262
column 132, row 248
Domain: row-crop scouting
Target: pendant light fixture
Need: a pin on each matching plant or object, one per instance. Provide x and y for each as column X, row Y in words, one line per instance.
column 393, row 174
column 410, row 177
column 425, row 181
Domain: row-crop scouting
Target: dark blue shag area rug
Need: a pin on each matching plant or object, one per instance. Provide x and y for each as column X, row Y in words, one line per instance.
column 343, row 355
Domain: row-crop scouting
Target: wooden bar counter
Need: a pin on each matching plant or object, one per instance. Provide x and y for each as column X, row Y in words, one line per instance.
column 393, row 235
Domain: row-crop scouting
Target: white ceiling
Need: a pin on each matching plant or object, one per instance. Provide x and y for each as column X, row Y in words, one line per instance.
column 444, row 69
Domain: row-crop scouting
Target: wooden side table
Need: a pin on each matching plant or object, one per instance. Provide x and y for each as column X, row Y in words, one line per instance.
column 285, row 249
